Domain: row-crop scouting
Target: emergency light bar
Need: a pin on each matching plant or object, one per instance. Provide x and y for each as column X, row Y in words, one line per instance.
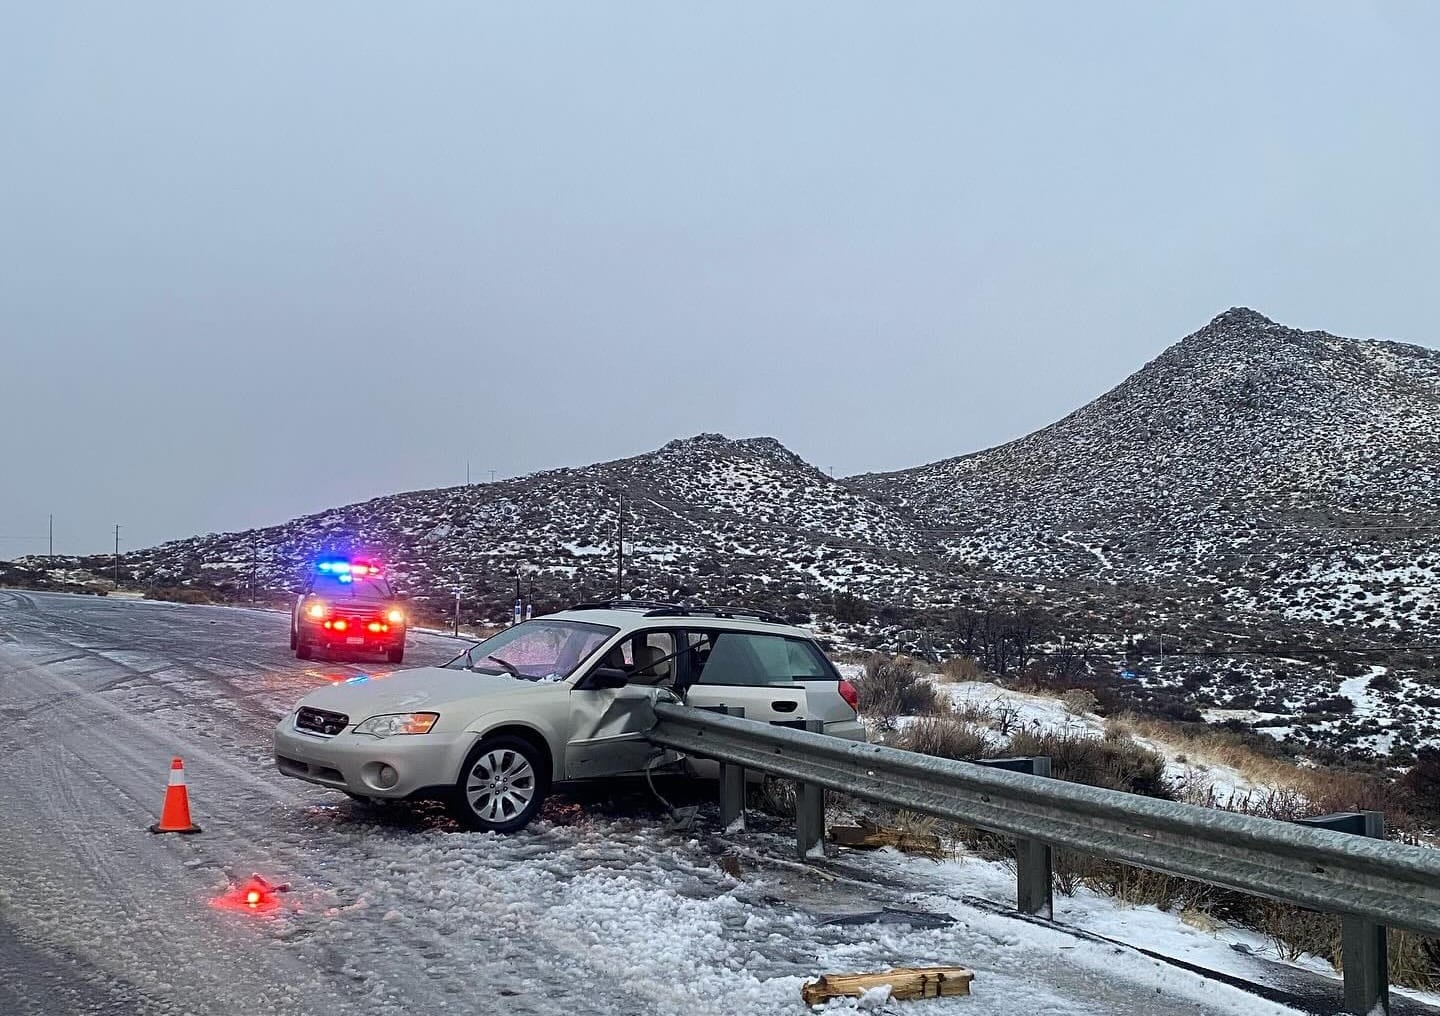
column 346, row 571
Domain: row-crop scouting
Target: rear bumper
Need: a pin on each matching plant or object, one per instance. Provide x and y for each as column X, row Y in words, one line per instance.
column 353, row 762
column 316, row 634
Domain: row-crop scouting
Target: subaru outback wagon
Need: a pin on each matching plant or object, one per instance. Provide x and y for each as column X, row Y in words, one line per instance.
column 565, row 697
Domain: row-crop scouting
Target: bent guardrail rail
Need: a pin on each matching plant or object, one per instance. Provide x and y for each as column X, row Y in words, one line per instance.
column 1386, row 883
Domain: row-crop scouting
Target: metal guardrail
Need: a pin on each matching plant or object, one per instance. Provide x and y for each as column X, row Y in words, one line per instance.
column 1373, row 880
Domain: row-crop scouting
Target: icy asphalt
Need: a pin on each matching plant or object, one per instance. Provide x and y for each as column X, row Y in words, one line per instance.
column 597, row 910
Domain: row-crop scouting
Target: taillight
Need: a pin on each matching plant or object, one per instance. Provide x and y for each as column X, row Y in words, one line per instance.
column 849, row 694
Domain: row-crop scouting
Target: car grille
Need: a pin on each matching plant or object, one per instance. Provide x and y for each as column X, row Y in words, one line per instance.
column 321, row 721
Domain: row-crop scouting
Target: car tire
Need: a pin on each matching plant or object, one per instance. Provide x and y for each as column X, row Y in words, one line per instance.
column 517, row 769
column 395, row 655
column 293, row 639
column 303, row 649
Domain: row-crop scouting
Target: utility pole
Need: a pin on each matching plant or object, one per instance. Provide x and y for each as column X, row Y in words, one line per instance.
column 457, row 613
column 52, row 541
column 620, row 550
column 254, row 570
column 467, row 472
column 117, row 555
column 492, row 476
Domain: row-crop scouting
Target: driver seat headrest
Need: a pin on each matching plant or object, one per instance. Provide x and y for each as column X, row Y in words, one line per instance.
column 648, row 662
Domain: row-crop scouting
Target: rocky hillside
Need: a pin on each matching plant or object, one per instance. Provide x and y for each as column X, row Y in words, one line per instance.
column 1247, row 528
column 705, row 517
column 1289, row 471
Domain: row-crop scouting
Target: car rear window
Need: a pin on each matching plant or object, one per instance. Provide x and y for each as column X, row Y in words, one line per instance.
column 743, row 659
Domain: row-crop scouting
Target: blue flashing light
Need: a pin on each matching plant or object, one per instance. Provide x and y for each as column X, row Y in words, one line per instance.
column 346, row 570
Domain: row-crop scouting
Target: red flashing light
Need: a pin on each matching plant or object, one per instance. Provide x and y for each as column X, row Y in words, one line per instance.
column 256, row 896
column 849, row 694
column 341, row 624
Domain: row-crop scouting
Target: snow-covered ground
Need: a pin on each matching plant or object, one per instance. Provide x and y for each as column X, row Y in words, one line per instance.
column 393, row 911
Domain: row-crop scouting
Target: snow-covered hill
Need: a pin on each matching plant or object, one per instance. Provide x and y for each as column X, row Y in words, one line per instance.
column 1291, row 471
column 728, row 520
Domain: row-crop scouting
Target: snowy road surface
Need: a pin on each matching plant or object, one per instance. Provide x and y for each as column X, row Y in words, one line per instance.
column 396, row 911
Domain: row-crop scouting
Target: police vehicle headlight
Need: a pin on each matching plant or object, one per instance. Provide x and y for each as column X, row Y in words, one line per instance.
column 391, row 724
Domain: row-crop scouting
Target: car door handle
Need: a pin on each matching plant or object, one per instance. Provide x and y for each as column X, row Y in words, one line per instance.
column 784, row 706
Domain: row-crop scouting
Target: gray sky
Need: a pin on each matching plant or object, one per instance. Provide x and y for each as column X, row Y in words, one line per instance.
column 260, row 259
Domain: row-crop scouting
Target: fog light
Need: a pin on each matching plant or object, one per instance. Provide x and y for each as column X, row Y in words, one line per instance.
column 387, row 777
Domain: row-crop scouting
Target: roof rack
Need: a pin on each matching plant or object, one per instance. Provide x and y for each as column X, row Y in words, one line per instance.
column 671, row 610
column 647, row 605
column 655, row 608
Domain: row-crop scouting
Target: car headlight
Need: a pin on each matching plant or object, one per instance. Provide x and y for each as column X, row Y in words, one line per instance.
column 390, row 724
column 395, row 617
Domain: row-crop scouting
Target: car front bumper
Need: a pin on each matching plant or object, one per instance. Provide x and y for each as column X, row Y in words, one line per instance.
column 355, row 763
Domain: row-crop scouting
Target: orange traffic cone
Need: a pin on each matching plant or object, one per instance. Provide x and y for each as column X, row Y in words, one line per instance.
column 175, row 816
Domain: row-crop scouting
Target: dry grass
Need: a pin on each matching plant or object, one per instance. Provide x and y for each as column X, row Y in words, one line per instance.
column 1291, row 790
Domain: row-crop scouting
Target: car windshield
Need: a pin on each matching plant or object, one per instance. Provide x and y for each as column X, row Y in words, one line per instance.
column 371, row 587
column 544, row 650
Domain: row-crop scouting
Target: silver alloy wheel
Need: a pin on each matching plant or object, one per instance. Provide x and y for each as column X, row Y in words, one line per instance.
column 501, row 785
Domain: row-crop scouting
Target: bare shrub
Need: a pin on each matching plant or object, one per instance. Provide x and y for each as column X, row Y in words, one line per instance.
column 897, row 687
column 1113, row 764
column 1294, row 932
column 946, row 737
column 177, row 594
column 961, row 668
column 1078, row 701
column 1422, row 783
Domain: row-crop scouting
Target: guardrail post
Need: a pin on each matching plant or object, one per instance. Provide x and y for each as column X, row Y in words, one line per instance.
column 1034, row 859
column 1035, row 865
column 810, row 811
column 1364, row 956
column 732, row 787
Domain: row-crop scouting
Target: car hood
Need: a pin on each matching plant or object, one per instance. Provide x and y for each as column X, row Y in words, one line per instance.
column 428, row 688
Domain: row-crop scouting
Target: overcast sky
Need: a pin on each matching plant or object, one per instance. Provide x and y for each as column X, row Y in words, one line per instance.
column 261, row 259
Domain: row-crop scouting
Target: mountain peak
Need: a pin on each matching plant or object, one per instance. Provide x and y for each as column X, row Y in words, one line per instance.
column 747, row 447
column 1241, row 317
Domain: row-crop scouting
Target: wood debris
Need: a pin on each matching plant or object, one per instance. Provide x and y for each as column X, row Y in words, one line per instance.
column 870, row 835
column 906, row 983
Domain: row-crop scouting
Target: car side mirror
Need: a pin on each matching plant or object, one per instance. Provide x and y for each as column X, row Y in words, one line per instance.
column 608, row 677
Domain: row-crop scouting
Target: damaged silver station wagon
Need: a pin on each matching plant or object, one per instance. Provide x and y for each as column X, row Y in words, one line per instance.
column 568, row 696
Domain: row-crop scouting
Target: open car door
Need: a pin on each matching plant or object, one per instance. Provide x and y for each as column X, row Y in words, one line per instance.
column 608, row 724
